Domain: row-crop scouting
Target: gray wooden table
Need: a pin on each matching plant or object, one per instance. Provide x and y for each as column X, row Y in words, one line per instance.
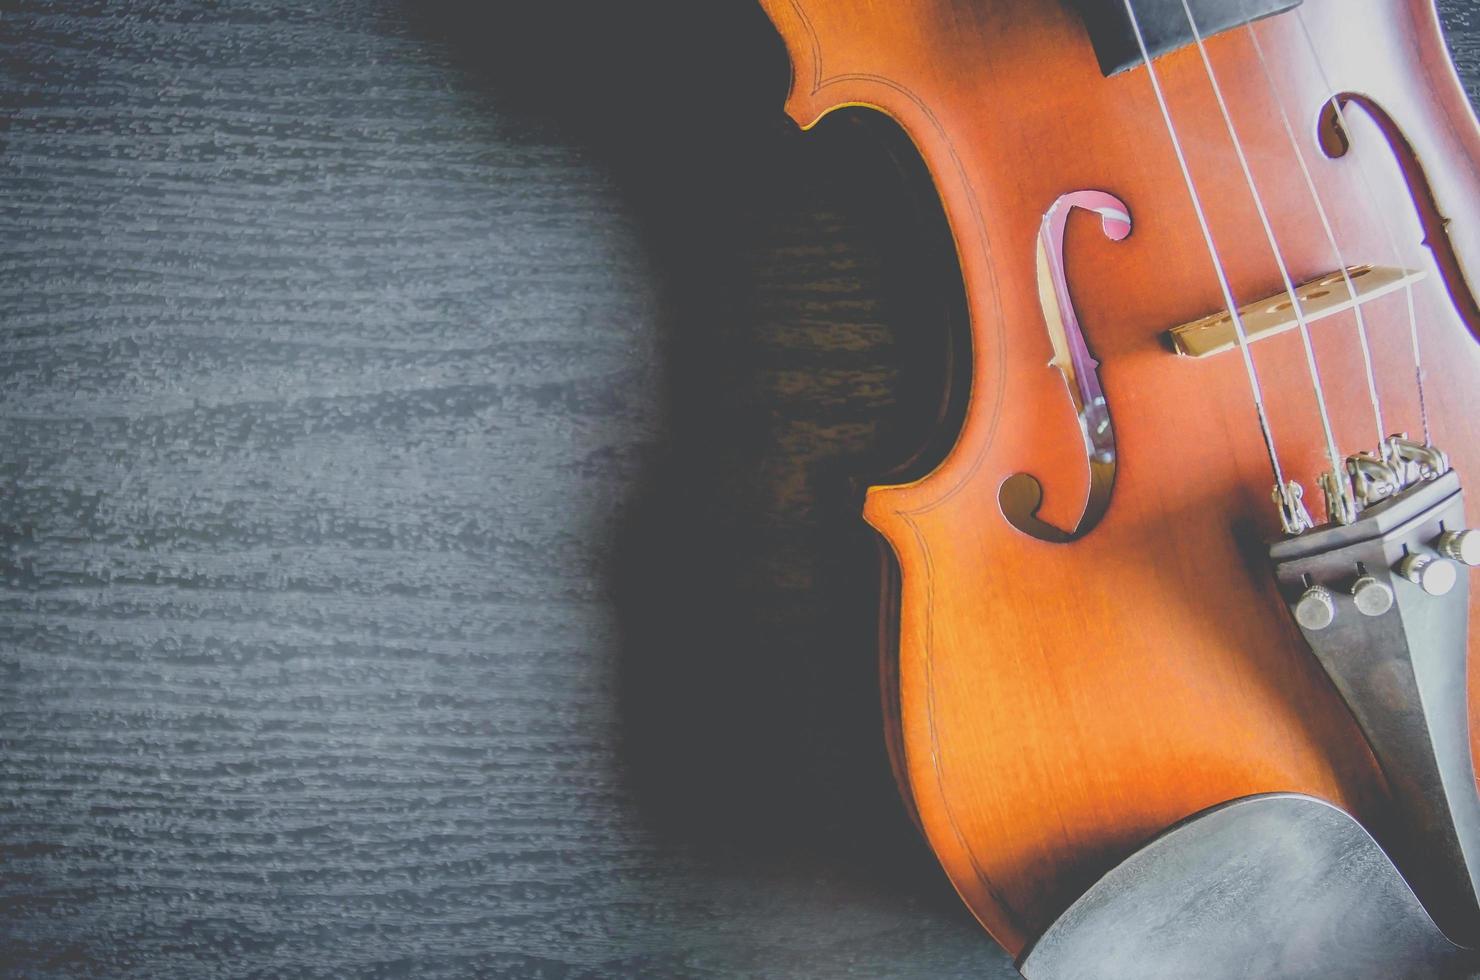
column 429, row 444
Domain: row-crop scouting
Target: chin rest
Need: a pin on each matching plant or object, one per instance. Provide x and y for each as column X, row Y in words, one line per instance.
column 1278, row 887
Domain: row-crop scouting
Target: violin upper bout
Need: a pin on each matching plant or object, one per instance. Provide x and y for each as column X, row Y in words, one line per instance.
column 835, row 50
column 803, row 49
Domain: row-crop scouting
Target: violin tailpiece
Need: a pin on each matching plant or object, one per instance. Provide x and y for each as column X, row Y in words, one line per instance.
column 1384, row 604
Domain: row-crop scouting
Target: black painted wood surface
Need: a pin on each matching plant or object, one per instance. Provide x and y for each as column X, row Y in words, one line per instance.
column 429, row 450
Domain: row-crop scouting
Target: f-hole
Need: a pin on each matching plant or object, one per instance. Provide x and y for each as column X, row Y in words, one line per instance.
column 1021, row 495
column 1336, row 143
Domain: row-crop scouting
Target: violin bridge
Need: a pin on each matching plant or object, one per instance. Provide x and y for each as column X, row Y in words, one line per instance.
column 1319, row 299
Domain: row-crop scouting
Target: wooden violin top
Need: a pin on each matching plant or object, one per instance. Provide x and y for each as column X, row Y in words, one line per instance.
column 1060, row 700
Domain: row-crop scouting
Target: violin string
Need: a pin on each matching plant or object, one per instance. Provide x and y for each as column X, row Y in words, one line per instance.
column 1207, row 233
column 1337, row 468
column 1384, row 221
column 1351, row 289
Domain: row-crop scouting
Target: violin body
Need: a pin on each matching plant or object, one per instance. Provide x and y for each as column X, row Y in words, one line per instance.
column 1062, row 694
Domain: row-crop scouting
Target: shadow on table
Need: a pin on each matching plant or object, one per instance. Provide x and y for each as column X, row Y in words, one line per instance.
column 802, row 343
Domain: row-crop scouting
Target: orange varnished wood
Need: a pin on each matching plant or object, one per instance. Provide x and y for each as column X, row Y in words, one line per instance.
column 1058, row 705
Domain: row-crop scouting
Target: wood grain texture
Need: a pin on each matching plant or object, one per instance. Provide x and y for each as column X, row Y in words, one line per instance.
column 408, row 419
column 430, row 542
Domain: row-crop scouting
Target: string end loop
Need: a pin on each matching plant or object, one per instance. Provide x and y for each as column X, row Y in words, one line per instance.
column 1290, row 497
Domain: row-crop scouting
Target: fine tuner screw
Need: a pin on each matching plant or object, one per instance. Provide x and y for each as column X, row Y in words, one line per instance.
column 1462, row 546
column 1435, row 576
column 1316, row 609
column 1372, row 596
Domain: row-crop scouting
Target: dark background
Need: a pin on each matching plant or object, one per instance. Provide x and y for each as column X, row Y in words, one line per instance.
column 430, row 445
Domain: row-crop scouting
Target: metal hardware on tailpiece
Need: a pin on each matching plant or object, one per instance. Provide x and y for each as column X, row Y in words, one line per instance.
column 1316, row 608
column 1460, row 546
column 1417, row 461
column 1290, row 498
column 1341, row 501
column 1436, row 576
column 1370, row 478
column 1373, row 480
column 1384, row 604
column 1371, row 595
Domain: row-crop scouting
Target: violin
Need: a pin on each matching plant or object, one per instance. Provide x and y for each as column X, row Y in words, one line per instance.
column 1182, row 644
